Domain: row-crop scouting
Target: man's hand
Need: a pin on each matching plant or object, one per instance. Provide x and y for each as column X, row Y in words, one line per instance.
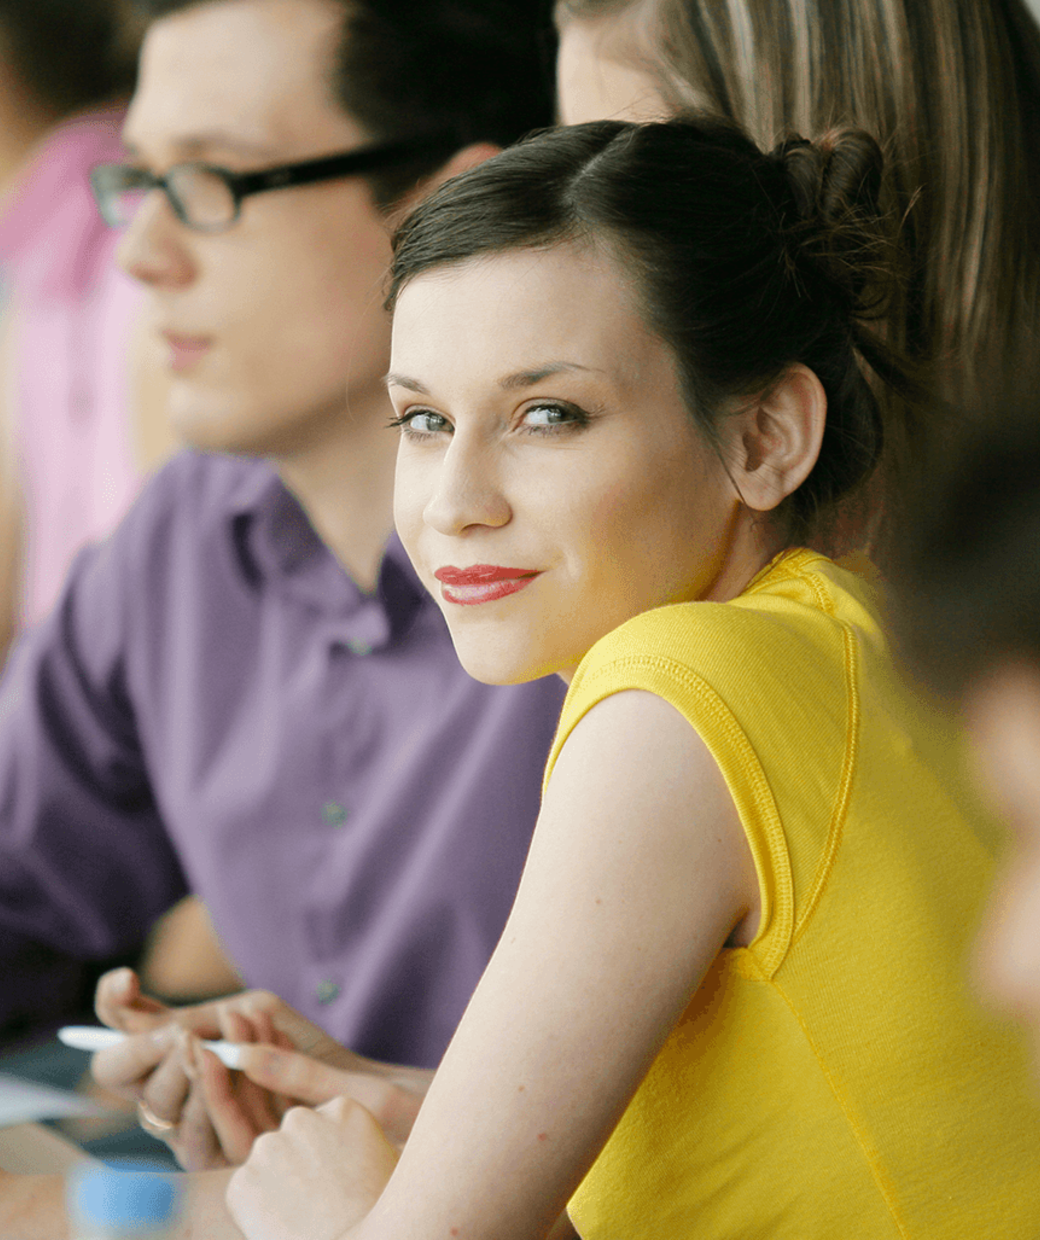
column 155, row 1067
column 209, row 1116
column 314, row 1179
column 120, row 1004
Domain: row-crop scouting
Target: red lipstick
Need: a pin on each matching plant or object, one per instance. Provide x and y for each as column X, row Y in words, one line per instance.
column 482, row 583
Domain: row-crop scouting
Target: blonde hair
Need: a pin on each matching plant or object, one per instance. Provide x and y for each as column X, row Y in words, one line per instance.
column 950, row 88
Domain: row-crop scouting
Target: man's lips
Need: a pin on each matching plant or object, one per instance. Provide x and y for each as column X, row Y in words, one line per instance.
column 185, row 350
column 482, row 583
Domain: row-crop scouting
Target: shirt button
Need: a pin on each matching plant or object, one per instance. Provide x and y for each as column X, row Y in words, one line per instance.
column 334, row 814
column 327, row 992
column 359, row 647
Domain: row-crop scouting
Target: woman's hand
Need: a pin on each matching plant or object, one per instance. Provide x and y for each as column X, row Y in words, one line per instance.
column 314, row 1179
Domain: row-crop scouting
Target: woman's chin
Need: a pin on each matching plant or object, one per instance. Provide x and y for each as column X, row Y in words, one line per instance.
column 495, row 672
column 493, row 665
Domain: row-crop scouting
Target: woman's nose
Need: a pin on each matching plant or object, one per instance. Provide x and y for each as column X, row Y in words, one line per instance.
column 468, row 491
column 155, row 248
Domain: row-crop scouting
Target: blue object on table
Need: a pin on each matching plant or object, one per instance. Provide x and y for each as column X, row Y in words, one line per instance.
column 103, row 1202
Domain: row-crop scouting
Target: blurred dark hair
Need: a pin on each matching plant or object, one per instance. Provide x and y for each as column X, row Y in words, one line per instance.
column 744, row 262
column 70, row 54
column 968, row 590
column 462, row 70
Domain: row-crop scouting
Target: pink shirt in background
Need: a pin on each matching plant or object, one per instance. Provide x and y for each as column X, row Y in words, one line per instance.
column 74, row 316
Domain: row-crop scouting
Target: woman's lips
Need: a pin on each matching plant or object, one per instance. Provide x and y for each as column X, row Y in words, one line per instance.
column 185, row 351
column 483, row 583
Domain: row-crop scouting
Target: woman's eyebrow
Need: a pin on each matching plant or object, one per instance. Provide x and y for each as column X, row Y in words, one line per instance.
column 525, row 378
column 413, row 385
column 520, row 379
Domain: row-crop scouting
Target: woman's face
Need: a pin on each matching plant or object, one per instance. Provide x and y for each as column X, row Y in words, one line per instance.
column 551, row 482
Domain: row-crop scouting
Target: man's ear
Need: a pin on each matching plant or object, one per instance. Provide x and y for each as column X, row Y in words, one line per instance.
column 464, row 159
column 776, row 440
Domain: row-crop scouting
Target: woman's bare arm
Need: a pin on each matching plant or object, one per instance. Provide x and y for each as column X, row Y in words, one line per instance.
column 638, row 873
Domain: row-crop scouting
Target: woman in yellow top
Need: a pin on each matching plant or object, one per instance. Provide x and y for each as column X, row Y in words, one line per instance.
column 630, row 371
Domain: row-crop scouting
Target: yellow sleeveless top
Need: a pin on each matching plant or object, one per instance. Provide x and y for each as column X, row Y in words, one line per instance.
column 835, row 1079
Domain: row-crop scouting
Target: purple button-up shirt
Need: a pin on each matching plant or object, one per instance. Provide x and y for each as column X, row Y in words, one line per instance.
column 216, row 707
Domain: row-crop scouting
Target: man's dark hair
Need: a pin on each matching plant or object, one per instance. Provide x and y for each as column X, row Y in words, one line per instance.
column 70, row 54
column 461, row 70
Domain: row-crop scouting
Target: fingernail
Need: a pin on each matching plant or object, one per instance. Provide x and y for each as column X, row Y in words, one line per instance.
column 164, row 1035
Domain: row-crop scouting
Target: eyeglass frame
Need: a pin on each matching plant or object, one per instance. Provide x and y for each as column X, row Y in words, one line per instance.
column 241, row 185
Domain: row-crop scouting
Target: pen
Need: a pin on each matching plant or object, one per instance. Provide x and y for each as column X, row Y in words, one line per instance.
column 98, row 1038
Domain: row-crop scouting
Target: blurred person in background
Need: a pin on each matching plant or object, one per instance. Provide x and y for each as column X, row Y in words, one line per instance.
column 83, row 414
column 951, row 89
column 245, row 692
column 969, row 609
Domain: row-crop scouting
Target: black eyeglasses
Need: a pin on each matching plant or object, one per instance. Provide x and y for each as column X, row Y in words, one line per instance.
column 209, row 199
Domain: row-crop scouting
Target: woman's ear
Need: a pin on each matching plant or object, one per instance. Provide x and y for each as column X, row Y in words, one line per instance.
column 776, row 440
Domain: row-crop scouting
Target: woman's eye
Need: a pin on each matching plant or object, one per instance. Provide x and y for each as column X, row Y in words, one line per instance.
column 543, row 418
column 422, row 422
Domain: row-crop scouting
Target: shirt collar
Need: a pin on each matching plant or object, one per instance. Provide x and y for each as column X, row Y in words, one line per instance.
column 278, row 547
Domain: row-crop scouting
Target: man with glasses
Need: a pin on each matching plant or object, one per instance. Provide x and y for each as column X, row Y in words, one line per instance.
column 245, row 693
column 209, row 199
